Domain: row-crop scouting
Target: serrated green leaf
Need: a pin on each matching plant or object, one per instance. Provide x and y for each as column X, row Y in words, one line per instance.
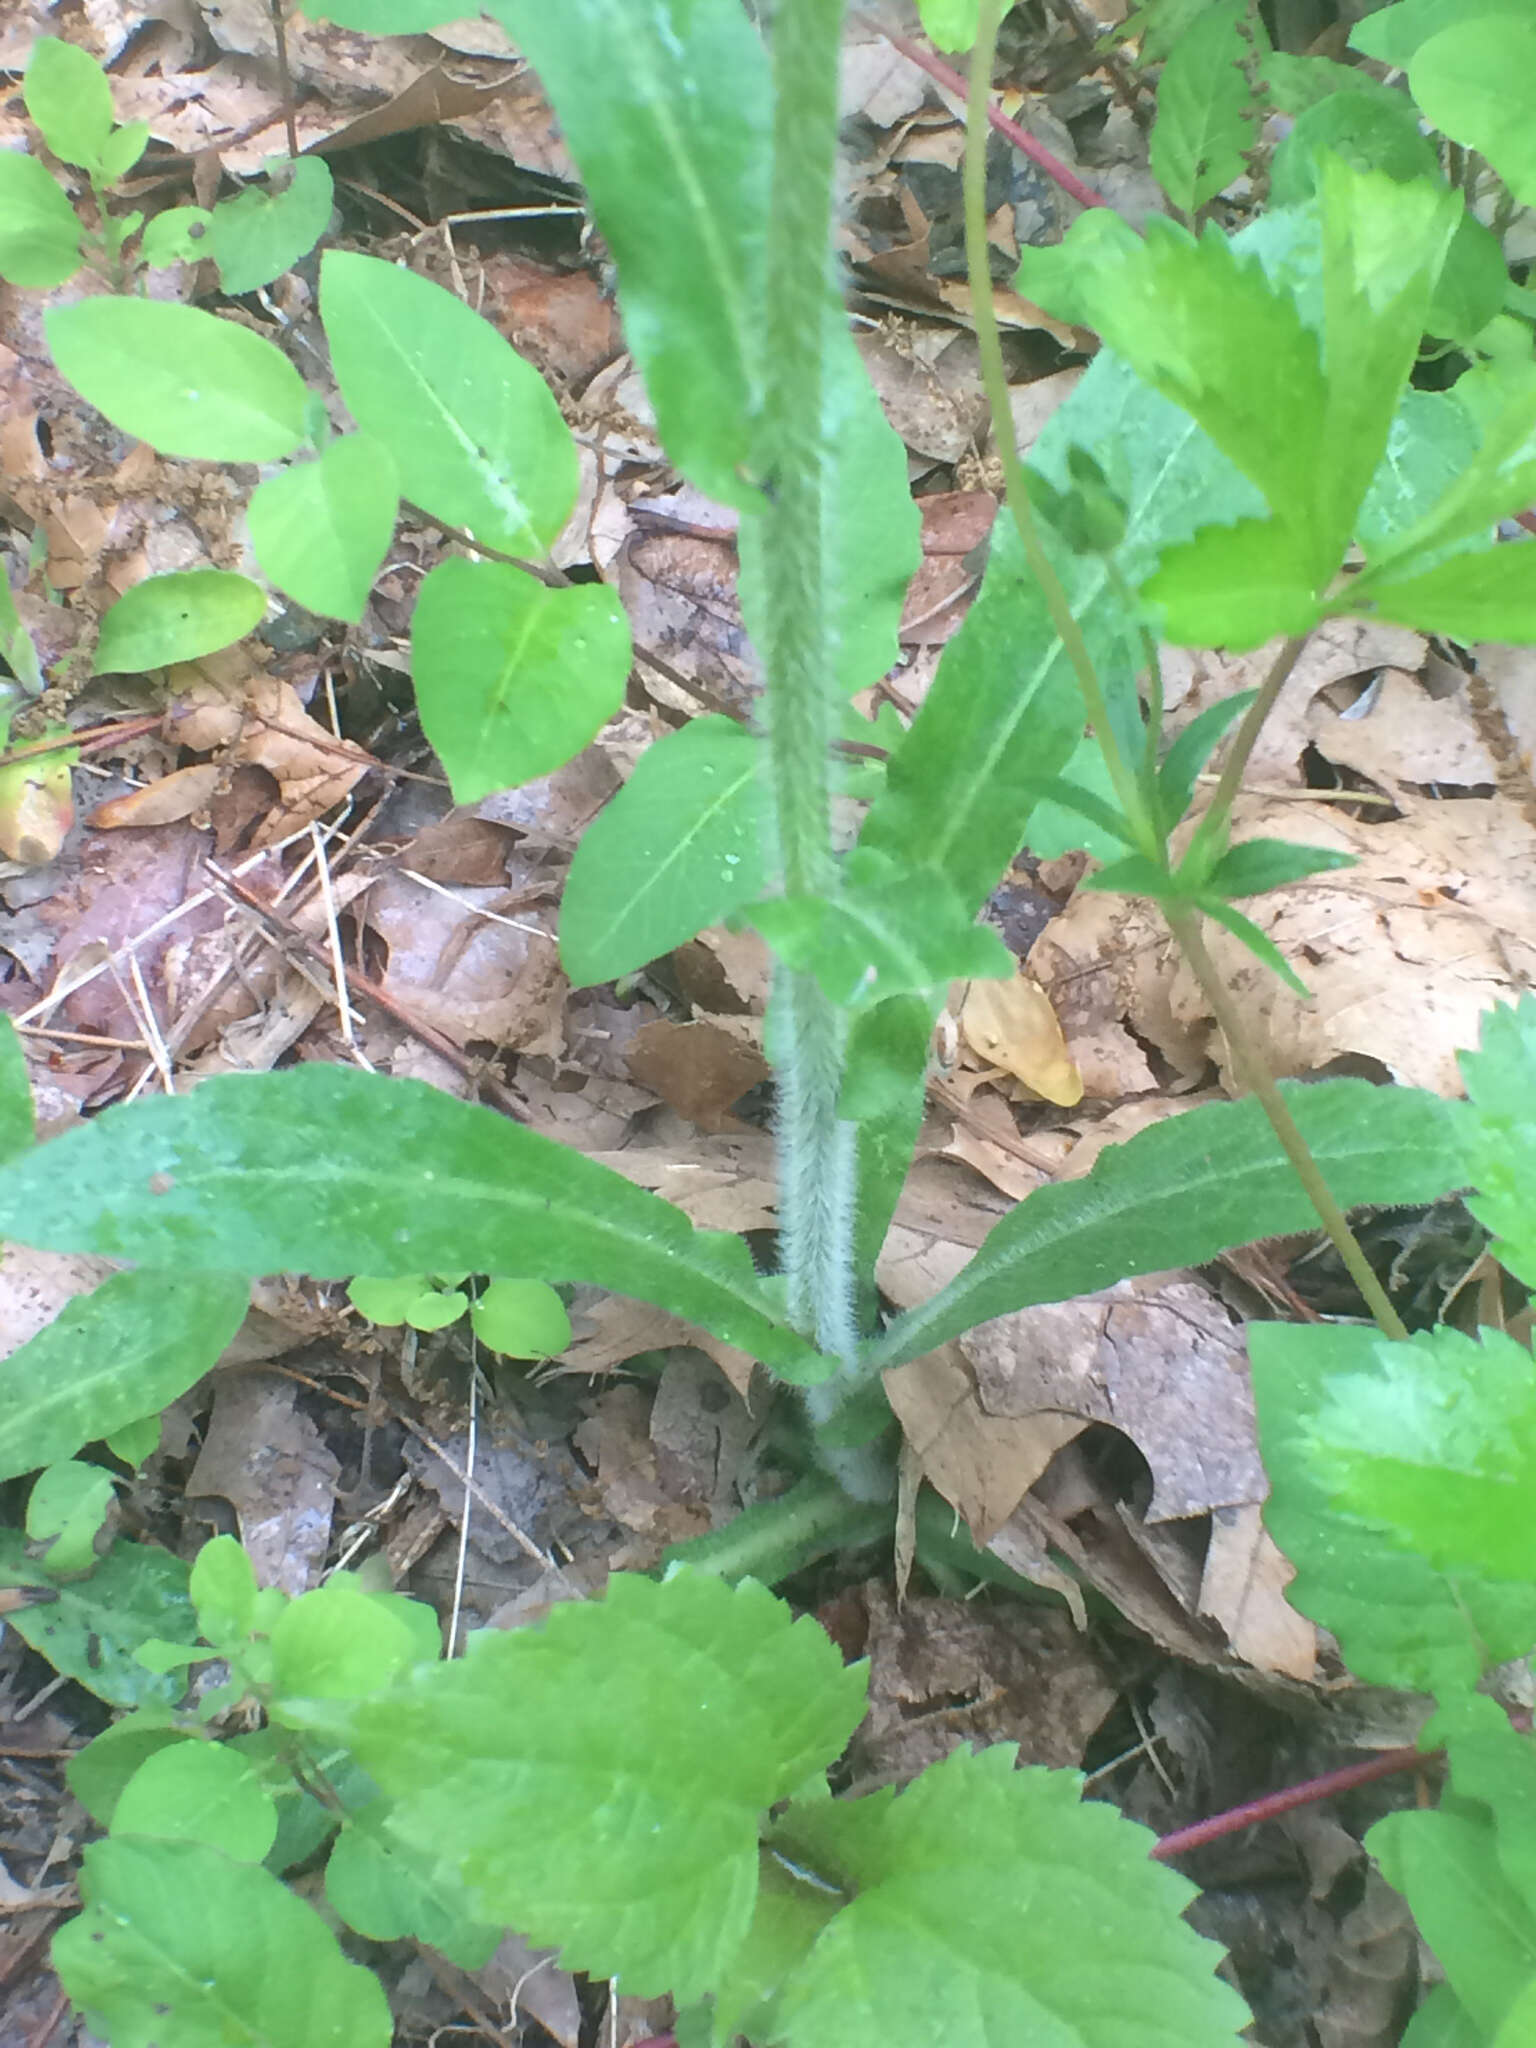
column 1500, row 1132
column 68, row 96
column 1476, row 82
column 1480, row 1930
column 1435, row 1440
column 738, row 1704
column 183, row 380
column 1184, row 1190
column 177, row 617
column 1236, row 586
column 179, row 235
column 199, row 1792
column 1394, row 34
column 513, row 677
column 97, row 1774
column 39, row 233
column 66, row 1509
column 18, row 1129
column 91, row 1630
column 258, row 235
column 1046, row 1908
column 521, row 1319
column 126, row 1350
column 179, row 1946
column 886, row 933
column 1205, row 108
column 387, row 1891
column 473, row 428
column 327, row 1170
column 321, row 529
column 1490, row 595
column 1255, row 866
column 680, row 847
column 949, row 24
column 1399, row 1622
column 223, row 1589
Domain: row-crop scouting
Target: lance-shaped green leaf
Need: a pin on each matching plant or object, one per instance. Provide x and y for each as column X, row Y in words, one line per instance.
column 177, row 617
column 321, row 529
column 680, row 847
column 180, row 1945
column 330, row 1171
column 68, row 96
column 937, row 1873
column 127, row 1349
column 739, row 1704
column 186, row 381
column 476, row 435
column 39, row 233
column 259, row 234
column 1205, row 108
column 513, row 677
column 1399, row 1620
column 1500, row 1132
column 1184, row 1190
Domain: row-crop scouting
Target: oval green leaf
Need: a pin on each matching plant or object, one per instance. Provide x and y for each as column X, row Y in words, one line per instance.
column 68, row 96
column 177, row 617
column 183, row 380
column 199, row 1792
column 258, row 235
column 39, row 234
column 322, row 529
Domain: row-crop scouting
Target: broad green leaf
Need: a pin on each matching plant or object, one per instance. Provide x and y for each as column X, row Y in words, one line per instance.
column 183, row 380
column 1498, row 477
column 199, row 1792
column 180, row 1947
column 476, row 435
column 1435, row 1441
column 1394, row 34
column 258, row 235
column 330, row 1171
column 1472, row 285
column 1483, row 1935
column 342, row 1643
column 1236, row 586
column 135, row 1441
column 122, row 150
column 18, row 1130
column 39, row 234
column 66, row 1510
column 513, row 677
column 412, row 1300
column 1432, row 442
column 68, row 96
column 1500, row 1132
column 321, row 529
column 179, row 235
column 97, row 1774
column 92, row 1628
column 109, row 1357
column 737, row 1706
column 1045, row 1908
column 389, row 1891
column 885, row 933
column 1442, row 2021
column 1369, row 128
column 1398, row 1621
column 177, row 617
column 1476, row 82
column 1184, row 1190
column 949, row 24
column 224, row 1592
column 521, row 1319
column 680, row 847
column 1205, row 109
column 1490, row 595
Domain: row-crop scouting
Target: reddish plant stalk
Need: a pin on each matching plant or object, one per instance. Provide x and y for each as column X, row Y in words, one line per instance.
column 1273, row 1804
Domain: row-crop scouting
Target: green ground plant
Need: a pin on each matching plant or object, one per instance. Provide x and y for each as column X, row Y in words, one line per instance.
column 642, row 1781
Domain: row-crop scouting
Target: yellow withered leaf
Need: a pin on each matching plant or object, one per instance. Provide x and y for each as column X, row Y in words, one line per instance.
column 1011, row 1025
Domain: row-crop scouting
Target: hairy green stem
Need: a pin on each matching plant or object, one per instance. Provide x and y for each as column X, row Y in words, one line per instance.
column 776, row 1538
column 816, row 1146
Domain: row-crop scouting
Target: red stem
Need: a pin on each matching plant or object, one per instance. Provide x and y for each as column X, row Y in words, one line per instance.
column 1236, row 1818
column 1037, row 152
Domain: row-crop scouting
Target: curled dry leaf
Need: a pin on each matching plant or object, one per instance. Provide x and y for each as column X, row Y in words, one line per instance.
column 259, row 720
column 181, row 794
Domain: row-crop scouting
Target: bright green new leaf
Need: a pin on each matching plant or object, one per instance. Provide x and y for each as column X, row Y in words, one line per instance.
column 1500, row 1132
column 413, row 1300
column 91, row 1630
column 180, row 1946
column 1184, row 1190
column 183, row 380
column 1399, row 1621
column 1395, row 33
column 122, row 150
column 886, row 933
column 1490, row 595
column 949, row 24
column 680, row 847
column 521, row 1319
column 18, row 1132
column 258, row 235
column 1476, row 82
column 135, row 1441
column 109, row 1357
column 513, row 677
column 476, row 435
column 199, row 1792
column 179, row 235
column 326, row 1170
column 1435, row 1441
column 97, row 1774
column 177, row 617
column 389, row 1892
column 737, row 1706
column 321, row 529
column 39, row 234
column 1205, row 108
column 1482, row 1933
column 1044, row 1906
column 1236, row 586
column 224, row 1592
column 342, row 1642
column 68, row 96
column 66, row 1509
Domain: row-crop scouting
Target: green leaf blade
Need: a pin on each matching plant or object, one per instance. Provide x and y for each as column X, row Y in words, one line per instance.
column 1490, row 595
column 1476, row 82
column 93, row 1627
column 1205, row 109
column 1500, row 1132
column 321, row 529
column 39, row 233
column 179, row 616
column 257, row 235
column 68, row 96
